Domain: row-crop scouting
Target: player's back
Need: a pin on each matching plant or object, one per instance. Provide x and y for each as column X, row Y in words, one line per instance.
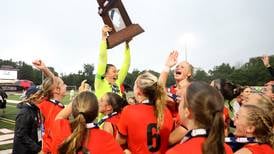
column 138, row 123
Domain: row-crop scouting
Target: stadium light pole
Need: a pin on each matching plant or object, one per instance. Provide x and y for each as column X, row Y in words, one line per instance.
column 185, row 41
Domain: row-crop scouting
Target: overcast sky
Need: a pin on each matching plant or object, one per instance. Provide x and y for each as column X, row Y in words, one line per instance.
column 66, row 33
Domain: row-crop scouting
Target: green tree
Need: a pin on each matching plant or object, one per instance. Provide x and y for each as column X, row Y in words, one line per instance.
column 131, row 77
column 37, row 77
column 170, row 79
column 222, row 71
column 88, row 69
column 201, row 75
column 254, row 72
column 251, row 73
column 25, row 72
column 74, row 79
column 8, row 62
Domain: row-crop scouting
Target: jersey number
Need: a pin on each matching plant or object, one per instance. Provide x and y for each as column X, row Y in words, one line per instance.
column 153, row 138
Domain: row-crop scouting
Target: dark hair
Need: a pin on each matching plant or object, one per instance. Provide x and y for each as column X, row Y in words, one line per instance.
column 227, row 88
column 207, row 106
column 84, row 110
column 107, row 68
column 116, row 101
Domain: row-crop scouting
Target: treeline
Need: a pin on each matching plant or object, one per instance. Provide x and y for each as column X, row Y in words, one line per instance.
column 251, row 73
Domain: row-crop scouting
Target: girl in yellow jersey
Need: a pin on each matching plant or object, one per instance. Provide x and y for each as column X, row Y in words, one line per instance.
column 107, row 78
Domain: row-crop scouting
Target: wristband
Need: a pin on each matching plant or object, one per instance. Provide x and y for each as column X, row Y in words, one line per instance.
column 166, row 69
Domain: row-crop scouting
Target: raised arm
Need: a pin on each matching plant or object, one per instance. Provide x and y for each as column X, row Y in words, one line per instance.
column 170, row 62
column 125, row 66
column 101, row 68
column 265, row 60
column 39, row 64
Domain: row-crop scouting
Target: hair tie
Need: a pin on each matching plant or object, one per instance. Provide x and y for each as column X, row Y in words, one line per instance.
column 82, row 113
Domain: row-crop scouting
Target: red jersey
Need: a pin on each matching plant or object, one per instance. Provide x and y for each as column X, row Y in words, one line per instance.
column 114, row 121
column 193, row 146
column 259, row 148
column 172, row 105
column 49, row 111
column 138, row 123
column 98, row 141
column 60, row 132
column 226, row 117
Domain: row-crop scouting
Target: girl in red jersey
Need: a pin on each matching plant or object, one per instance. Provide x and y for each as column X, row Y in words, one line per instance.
column 81, row 135
column 254, row 123
column 52, row 92
column 182, row 75
column 146, row 126
column 201, row 109
column 111, row 105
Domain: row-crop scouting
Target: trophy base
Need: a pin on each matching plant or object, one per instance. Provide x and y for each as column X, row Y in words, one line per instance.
column 123, row 35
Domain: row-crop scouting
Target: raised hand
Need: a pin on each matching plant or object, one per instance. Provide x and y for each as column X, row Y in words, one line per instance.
column 39, row 64
column 265, row 60
column 172, row 59
column 105, row 30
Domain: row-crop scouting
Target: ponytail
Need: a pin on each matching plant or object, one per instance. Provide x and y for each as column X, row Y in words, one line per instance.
column 159, row 104
column 44, row 92
column 74, row 142
column 37, row 97
column 154, row 91
column 207, row 105
column 214, row 144
column 84, row 110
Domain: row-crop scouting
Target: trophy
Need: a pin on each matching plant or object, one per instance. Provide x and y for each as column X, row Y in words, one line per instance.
column 114, row 15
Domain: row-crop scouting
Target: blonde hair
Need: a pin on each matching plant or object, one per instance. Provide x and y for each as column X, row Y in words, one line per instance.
column 46, row 90
column 263, row 124
column 154, row 91
column 190, row 70
column 84, row 110
column 262, row 102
